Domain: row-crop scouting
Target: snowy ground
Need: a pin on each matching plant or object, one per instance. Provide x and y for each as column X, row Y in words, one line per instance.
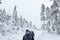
column 39, row 35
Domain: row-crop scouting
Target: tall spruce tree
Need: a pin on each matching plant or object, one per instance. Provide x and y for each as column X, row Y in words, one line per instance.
column 15, row 17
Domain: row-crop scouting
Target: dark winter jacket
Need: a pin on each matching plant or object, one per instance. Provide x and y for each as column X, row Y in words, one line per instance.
column 33, row 35
column 27, row 36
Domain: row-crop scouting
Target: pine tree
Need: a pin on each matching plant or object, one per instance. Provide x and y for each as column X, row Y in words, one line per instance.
column 42, row 9
column 47, row 13
column 24, row 22
column 54, row 5
column 54, row 17
column 42, row 14
column 4, row 15
column 43, row 17
column 1, row 15
column 30, row 23
column 34, row 27
column 58, row 1
column 21, row 22
column 15, row 17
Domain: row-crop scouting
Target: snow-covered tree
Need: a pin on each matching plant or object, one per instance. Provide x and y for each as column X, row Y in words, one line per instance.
column 30, row 23
column 58, row 1
column 54, row 5
column 34, row 26
column 42, row 14
column 54, row 15
column 42, row 8
column 21, row 22
column 15, row 17
column 1, row 15
column 4, row 15
column 47, row 13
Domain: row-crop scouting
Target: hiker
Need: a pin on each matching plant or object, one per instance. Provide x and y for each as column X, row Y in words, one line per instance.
column 32, row 35
column 27, row 35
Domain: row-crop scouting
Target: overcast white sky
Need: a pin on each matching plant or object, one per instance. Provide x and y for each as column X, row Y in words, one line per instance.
column 29, row 9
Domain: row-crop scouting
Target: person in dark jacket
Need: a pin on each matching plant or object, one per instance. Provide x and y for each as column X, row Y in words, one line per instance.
column 32, row 35
column 27, row 35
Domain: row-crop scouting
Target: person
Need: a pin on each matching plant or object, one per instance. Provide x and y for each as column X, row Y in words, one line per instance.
column 27, row 35
column 32, row 35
